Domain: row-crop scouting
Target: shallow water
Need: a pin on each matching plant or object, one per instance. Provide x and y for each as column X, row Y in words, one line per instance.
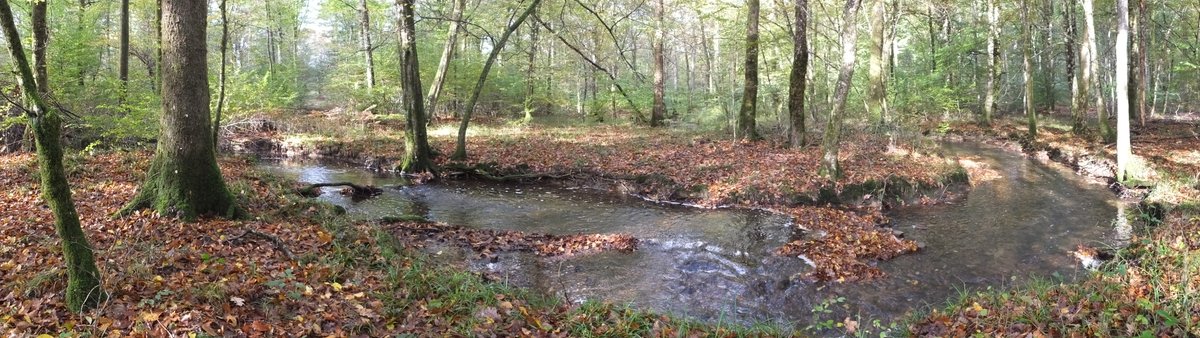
column 716, row 265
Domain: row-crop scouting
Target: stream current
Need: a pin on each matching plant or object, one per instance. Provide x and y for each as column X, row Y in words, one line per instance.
column 717, row 265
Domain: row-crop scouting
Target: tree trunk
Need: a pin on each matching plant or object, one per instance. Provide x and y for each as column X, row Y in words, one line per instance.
column 1124, row 150
column 364, row 26
column 83, row 278
column 418, row 156
column 993, row 59
column 660, row 106
column 123, row 67
column 833, row 130
column 798, row 81
column 877, row 93
column 41, row 41
column 158, row 52
column 530, row 77
column 1072, row 77
column 1091, row 79
column 1143, row 61
column 183, row 178
column 439, row 79
column 1027, row 71
column 216, row 132
column 746, row 115
column 460, row 149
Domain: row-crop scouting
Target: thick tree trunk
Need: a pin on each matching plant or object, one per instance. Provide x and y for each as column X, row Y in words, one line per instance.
column 1091, row 79
column 1124, row 150
column 418, row 156
column 439, row 78
column 746, row 115
column 183, row 178
column 83, row 278
column 1027, row 71
column 833, row 129
column 216, row 132
column 364, row 29
column 460, row 149
column 798, row 81
column 660, row 106
column 993, row 60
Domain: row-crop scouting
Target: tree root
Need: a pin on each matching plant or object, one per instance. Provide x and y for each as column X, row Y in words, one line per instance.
column 482, row 172
column 278, row 243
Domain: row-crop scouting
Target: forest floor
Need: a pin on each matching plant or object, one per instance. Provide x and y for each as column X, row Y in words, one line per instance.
column 1147, row 289
column 667, row 165
column 296, row 268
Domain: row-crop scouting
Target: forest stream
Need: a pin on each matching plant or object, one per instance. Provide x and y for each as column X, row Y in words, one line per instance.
column 718, row 266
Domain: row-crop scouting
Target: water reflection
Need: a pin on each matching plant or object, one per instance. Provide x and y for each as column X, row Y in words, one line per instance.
column 717, row 264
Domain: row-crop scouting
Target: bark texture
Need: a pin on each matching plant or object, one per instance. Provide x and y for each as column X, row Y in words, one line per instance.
column 1027, row 70
column 1124, row 150
column 439, row 78
column 183, row 178
column 660, row 105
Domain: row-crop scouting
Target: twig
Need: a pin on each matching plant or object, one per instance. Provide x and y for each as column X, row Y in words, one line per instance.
column 279, row 244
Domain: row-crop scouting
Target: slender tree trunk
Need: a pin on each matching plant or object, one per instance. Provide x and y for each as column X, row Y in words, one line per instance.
column 1124, row 150
column 1026, row 51
column 993, row 60
column 798, row 81
column 877, row 91
column 660, row 106
column 1072, row 76
column 221, row 77
column 530, row 76
column 418, row 156
column 183, row 178
column 439, row 78
column 158, row 49
column 746, row 115
column 1092, row 79
column 41, row 42
column 123, row 61
column 833, row 130
column 460, row 149
column 1143, row 61
column 84, row 290
column 364, row 29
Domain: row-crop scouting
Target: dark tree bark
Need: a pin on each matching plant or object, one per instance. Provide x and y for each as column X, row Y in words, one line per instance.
column 746, row 115
column 1124, row 149
column 123, row 67
column 84, row 290
column 183, row 178
column 439, row 79
column 799, row 77
column 460, row 149
column 216, row 132
column 1072, row 77
column 833, row 129
column 364, row 31
column 660, row 105
column 418, row 157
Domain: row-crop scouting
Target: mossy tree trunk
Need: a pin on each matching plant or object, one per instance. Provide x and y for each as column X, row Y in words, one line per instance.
column 83, row 278
column 417, row 154
column 833, row 129
column 183, row 178
column 746, row 129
